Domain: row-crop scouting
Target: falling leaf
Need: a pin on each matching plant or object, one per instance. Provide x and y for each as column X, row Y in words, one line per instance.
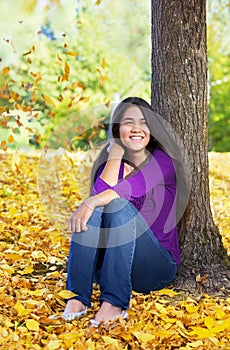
column 67, row 68
column 3, row 145
column 2, row 109
column 5, row 71
column 106, row 102
column 49, row 100
column 27, row 53
column 10, row 139
column 103, row 63
column 72, row 53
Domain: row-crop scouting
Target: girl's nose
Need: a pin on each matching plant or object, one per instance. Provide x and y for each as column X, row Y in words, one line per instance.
column 136, row 128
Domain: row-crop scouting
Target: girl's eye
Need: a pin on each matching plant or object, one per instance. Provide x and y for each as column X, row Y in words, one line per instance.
column 127, row 122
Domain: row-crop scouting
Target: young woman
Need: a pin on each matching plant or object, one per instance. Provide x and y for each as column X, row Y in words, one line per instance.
column 125, row 233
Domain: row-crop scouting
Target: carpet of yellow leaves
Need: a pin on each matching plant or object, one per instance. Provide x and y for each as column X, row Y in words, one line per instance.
column 34, row 250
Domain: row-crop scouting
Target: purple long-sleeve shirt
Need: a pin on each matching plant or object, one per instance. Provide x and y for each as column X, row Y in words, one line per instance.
column 152, row 190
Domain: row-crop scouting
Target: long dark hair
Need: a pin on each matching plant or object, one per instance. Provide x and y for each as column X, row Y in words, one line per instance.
column 161, row 134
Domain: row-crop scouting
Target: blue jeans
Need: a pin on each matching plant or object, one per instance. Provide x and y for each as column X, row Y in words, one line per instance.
column 119, row 252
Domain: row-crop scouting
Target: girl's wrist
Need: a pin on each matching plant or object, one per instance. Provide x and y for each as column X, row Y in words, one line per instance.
column 90, row 203
column 115, row 151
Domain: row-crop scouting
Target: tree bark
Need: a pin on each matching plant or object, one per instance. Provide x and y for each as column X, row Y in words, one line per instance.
column 179, row 94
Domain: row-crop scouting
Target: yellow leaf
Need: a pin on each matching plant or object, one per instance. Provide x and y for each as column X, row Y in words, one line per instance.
column 7, row 268
column 109, row 340
column 32, row 325
column 2, row 109
column 225, row 324
column 70, row 338
column 209, row 321
column 26, row 270
column 21, row 310
column 125, row 336
column 12, row 212
column 144, row 337
column 195, row 344
column 201, row 332
column 53, row 345
column 106, row 101
column 49, row 100
column 160, row 308
column 10, row 139
column 66, row 294
column 67, row 68
column 103, row 64
column 90, row 345
column 191, row 308
column 168, row 292
column 219, row 313
column 72, row 53
column 59, row 57
column 54, row 274
column 5, row 71
column 37, row 254
column 38, row 292
column 3, row 145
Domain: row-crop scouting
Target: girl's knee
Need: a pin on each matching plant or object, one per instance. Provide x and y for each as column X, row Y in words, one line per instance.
column 119, row 205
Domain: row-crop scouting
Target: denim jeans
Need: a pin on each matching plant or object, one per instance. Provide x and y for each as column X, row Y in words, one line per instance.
column 119, row 252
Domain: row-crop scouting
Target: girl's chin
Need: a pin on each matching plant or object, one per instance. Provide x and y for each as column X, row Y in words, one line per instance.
column 135, row 147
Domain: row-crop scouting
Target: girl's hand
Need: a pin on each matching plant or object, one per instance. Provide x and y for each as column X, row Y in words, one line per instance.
column 115, row 150
column 80, row 217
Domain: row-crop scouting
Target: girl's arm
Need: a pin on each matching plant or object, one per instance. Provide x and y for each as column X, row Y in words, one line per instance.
column 110, row 172
column 80, row 216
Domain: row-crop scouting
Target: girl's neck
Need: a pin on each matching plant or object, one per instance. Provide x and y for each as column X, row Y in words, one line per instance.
column 136, row 158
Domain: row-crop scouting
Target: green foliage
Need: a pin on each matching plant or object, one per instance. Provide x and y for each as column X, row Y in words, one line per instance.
column 219, row 76
column 85, row 66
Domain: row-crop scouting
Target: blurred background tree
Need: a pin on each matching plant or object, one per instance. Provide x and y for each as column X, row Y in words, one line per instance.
column 60, row 57
column 219, row 74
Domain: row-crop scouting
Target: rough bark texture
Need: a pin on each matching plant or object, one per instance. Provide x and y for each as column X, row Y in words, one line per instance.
column 179, row 94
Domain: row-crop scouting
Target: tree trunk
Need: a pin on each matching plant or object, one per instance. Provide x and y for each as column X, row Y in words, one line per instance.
column 179, row 94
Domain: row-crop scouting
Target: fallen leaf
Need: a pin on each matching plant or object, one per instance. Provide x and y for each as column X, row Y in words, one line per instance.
column 32, row 325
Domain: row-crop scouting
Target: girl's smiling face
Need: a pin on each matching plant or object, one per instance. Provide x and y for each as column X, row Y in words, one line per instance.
column 134, row 132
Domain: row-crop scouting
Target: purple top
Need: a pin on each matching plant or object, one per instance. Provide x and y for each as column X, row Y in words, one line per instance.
column 152, row 190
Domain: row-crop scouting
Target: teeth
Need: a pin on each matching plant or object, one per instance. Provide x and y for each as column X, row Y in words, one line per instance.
column 136, row 137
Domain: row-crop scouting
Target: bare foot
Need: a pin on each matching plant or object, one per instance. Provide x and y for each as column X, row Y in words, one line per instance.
column 107, row 312
column 74, row 306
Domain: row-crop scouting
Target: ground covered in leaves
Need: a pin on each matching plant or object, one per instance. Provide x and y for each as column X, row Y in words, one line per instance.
column 34, row 247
